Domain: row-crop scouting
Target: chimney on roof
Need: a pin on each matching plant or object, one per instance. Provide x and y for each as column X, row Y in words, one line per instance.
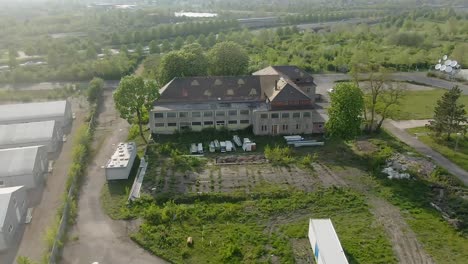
column 276, row 85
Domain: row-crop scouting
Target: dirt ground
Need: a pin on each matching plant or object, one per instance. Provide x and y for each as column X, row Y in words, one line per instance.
column 96, row 237
column 47, row 199
column 228, row 178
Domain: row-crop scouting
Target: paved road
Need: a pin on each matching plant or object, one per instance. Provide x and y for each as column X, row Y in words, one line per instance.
column 425, row 150
column 100, row 238
column 419, row 77
column 405, row 124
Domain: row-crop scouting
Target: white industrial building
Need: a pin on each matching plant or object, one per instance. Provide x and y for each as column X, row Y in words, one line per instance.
column 23, row 166
column 325, row 243
column 60, row 111
column 13, row 207
column 120, row 164
column 46, row 133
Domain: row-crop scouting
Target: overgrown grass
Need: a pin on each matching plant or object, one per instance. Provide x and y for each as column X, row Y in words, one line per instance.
column 251, row 230
column 420, row 104
column 441, row 240
column 446, row 148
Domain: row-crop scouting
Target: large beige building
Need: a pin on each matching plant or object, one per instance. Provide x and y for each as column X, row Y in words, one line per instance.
column 274, row 100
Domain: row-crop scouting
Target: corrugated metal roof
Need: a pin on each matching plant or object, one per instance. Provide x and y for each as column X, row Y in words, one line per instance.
column 329, row 245
column 26, row 133
column 18, row 161
column 32, row 111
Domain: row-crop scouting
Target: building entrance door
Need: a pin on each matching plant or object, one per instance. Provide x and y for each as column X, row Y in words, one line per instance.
column 274, row 129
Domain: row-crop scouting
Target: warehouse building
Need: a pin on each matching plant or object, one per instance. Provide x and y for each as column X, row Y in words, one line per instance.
column 120, row 164
column 13, row 207
column 60, row 111
column 46, row 133
column 23, row 166
column 325, row 243
column 274, row 100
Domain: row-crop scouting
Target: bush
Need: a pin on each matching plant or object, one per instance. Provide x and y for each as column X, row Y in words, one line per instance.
column 279, row 156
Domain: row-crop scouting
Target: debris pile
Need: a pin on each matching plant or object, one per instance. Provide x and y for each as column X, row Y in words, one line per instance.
column 398, row 165
column 233, row 159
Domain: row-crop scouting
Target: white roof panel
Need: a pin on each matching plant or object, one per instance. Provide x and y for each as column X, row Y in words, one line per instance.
column 32, row 111
column 18, row 161
column 5, row 195
column 122, row 155
column 329, row 245
column 26, row 132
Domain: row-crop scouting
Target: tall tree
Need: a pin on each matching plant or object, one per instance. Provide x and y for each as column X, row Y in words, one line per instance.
column 166, row 46
column 449, row 114
column 12, row 62
column 154, row 47
column 134, row 96
column 172, row 65
column 178, row 43
column 228, row 58
column 95, row 89
column 347, row 105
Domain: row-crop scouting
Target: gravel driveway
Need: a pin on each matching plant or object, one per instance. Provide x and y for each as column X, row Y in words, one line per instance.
column 96, row 237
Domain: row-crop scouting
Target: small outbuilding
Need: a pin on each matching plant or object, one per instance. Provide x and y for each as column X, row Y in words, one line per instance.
column 60, row 111
column 26, row 166
column 46, row 133
column 120, row 164
column 13, row 207
column 325, row 243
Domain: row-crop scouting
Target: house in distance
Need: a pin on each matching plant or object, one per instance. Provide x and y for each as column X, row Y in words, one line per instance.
column 274, row 100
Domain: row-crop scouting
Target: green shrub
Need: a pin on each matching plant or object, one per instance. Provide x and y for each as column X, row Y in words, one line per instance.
column 279, row 156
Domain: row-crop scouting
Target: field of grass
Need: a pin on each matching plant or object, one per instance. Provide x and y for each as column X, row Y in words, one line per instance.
column 446, row 148
column 420, row 104
column 441, row 240
column 242, row 229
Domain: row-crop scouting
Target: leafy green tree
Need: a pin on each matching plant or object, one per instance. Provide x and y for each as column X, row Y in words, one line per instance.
column 228, row 58
column 139, row 50
column 178, row 43
column 91, row 52
column 347, row 106
column 95, row 88
column 133, row 96
column 166, row 46
column 172, row 65
column 210, row 40
column 190, row 61
column 449, row 114
column 154, row 47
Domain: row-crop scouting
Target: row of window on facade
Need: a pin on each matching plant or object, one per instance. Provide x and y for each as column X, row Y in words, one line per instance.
column 205, row 123
column 285, row 115
column 231, row 113
column 199, row 114
column 285, row 127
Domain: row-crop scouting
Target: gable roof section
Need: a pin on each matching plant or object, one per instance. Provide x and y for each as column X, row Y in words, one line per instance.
column 5, row 197
column 32, row 111
column 26, row 132
column 292, row 73
column 18, row 161
column 288, row 91
column 211, row 88
column 295, row 74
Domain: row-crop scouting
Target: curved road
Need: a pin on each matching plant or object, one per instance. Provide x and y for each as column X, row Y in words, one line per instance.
column 97, row 237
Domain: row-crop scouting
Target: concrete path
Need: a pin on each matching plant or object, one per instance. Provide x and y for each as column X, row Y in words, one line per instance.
column 405, row 124
column 454, row 169
column 96, row 237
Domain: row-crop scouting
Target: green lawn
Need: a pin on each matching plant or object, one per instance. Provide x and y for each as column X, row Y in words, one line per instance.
column 230, row 228
column 446, row 148
column 420, row 104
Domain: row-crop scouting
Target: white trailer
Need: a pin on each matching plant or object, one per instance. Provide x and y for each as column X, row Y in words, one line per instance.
column 229, row 146
column 237, row 140
column 248, row 145
column 325, row 243
column 222, row 146
column 193, row 148
column 212, row 147
column 200, row 148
